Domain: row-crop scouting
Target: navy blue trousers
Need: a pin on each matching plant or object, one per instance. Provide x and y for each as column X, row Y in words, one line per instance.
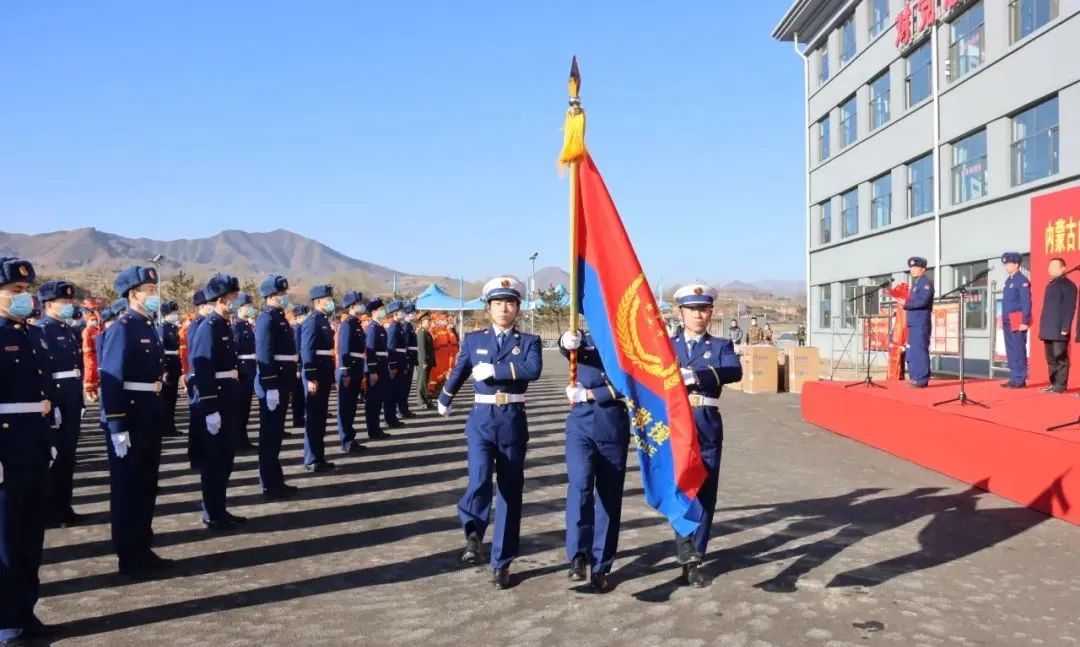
column 596, row 471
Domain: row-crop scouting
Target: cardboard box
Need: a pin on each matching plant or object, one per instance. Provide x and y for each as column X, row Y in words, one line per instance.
column 762, row 370
column 805, row 366
column 738, row 386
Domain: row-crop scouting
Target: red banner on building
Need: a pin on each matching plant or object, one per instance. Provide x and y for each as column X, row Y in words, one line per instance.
column 1054, row 221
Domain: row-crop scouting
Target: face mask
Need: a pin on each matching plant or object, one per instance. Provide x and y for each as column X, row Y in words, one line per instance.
column 66, row 311
column 300, row 320
column 283, row 301
column 152, row 303
column 329, row 307
column 173, row 318
column 231, row 307
column 21, row 305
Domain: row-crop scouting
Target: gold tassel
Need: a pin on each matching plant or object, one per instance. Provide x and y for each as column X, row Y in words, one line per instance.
column 573, row 149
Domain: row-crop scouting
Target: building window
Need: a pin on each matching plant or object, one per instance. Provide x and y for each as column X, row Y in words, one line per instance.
column 975, row 310
column 1035, row 143
column 849, row 213
column 847, row 40
column 876, row 295
column 881, row 201
column 1025, row 16
column 823, row 139
column 847, row 293
column 848, row 123
column 966, row 42
column 921, row 186
column 879, row 101
column 879, row 16
column 825, row 228
column 825, row 306
column 823, row 64
column 969, row 168
column 918, row 74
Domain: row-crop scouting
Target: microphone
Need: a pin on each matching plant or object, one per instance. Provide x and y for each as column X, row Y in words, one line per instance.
column 886, row 283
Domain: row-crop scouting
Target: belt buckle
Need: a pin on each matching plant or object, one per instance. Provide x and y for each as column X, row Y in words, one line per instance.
column 502, row 399
column 696, row 400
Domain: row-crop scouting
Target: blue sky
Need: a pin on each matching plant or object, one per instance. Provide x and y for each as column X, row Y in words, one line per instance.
column 419, row 135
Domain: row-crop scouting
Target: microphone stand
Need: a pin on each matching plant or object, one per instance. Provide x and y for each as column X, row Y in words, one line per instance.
column 1071, row 422
column 962, row 396
column 868, row 380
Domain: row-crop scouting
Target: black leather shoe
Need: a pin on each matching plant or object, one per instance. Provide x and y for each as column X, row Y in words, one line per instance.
column 382, row 435
column 577, row 569
column 1047, row 389
column 354, row 449
column 280, row 492
column 600, row 582
column 396, row 425
column 319, row 467
column 500, row 577
column 220, row 525
column 158, row 563
column 471, row 554
column 694, row 577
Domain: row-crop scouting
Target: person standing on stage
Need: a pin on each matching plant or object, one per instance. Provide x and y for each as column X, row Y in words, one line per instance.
column 919, row 305
column 1055, row 325
column 1015, row 320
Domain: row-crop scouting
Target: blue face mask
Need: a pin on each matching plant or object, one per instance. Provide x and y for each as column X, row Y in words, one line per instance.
column 329, row 307
column 66, row 311
column 152, row 303
column 21, row 305
column 285, row 301
column 232, row 308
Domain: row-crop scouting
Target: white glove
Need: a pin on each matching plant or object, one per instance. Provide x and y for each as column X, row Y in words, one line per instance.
column 577, row 393
column 570, row 340
column 273, row 399
column 57, row 418
column 52, row 459
column 688, row 376
column 1, row 473
column 483, row 371
column 443, row 410
column 121, row 443
column 213, row 423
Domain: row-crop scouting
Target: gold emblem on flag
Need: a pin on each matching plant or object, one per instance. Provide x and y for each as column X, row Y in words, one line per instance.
column 628, row 334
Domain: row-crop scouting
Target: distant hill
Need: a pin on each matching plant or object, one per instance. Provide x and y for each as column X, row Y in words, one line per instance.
column 94, row 256
column 551, row 276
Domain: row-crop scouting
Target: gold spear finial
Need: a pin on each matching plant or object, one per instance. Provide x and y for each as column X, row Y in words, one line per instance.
column 573, row 149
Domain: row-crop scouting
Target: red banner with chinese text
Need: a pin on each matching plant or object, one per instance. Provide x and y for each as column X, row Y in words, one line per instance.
column 1055, row 218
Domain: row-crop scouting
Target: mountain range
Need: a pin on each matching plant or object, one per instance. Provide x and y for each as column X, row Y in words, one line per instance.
column 91, row 258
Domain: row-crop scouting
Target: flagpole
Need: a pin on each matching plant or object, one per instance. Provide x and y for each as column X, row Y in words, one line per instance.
column 573, row 151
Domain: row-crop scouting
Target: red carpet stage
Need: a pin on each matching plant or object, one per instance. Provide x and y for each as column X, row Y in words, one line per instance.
column 1004, row 449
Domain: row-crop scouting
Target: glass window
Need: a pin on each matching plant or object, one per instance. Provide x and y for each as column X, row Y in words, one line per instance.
column 847, row 293
column 1035, row 143
column 966, row 42
column 823, row 139
column 879, row 100
column 847, row 40
column 823, row 64
column 876, row 296
column 879, row 16
column 921, row 186
column 881, row 201
column 825, row 305
column 918, row 74
column 969, row 168
column 848, row 123
column 849, row 213
column 1025, row 16
column 826, row 222
column 975, row 309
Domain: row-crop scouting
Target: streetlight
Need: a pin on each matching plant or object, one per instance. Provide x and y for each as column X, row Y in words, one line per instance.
column 532, row 293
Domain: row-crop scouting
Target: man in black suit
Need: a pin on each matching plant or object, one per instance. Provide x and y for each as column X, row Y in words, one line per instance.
column 1055, row 323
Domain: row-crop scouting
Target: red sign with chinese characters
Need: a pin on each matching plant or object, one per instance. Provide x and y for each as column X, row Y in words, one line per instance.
column 917, row 17
column 1055, row 218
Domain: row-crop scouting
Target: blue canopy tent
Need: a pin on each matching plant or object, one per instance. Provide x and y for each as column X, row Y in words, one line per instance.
column 435, row 298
